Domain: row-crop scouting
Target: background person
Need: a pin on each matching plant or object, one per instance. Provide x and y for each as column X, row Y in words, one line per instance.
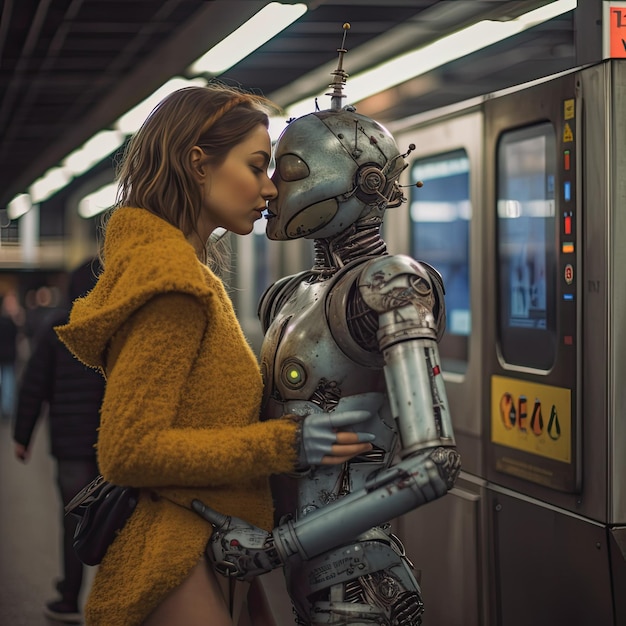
column 54, row 379
column 8, row 355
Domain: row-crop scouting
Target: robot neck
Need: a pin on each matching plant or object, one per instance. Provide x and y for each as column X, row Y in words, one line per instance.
column 361, row 239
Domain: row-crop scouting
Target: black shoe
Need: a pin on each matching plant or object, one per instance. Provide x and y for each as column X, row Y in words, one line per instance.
column 62, row 611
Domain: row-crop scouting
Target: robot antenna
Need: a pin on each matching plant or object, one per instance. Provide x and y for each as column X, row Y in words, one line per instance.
column 340, row 76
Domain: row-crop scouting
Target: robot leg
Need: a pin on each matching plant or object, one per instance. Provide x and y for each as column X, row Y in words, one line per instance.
column 364, row 583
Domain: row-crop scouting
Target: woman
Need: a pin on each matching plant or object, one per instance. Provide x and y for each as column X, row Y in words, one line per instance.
column 180, row 413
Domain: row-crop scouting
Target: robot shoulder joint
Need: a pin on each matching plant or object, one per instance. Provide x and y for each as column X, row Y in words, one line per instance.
column 396, row 281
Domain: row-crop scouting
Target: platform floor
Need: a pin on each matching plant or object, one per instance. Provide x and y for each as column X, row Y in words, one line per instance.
column 30, row 533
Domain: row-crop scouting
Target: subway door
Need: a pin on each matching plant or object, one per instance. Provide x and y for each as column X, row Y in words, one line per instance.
column 603, row 89
column 440, row 224
column 546, row 444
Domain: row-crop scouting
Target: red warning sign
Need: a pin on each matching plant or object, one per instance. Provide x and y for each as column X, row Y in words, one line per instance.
column 615, row 30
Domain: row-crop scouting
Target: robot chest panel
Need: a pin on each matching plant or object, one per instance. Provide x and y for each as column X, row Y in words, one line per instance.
column 304, row 359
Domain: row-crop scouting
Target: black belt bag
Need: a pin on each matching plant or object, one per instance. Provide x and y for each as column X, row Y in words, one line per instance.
column 102, row 510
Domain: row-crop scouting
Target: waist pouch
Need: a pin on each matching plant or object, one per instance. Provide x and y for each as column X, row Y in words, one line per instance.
column 102, row 510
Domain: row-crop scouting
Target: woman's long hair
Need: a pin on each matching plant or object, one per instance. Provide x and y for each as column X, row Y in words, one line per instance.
column 155, row 170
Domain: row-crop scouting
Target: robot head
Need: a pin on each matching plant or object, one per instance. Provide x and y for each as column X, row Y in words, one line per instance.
column 332, row 168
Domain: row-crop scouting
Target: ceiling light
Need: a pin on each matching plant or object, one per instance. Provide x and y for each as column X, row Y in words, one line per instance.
column 54, row 179
column 259, row 29
column 98, row 201
column 444, row 50
column 93, row 151
column 131, row 121
column 19, row 205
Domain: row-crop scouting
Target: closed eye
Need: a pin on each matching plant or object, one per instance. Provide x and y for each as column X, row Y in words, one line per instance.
column 292, row 167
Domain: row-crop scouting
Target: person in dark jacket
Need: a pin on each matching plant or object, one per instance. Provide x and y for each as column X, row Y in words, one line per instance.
column 72, row 393
column 8, row 355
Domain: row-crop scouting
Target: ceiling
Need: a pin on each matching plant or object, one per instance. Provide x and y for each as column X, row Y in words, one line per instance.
column 69, row 68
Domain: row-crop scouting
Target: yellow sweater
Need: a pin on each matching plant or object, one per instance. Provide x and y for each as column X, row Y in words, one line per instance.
column 180, row 415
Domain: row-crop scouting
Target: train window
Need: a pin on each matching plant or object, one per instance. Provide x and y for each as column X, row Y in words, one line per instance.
column 526, row 245
column 440, row 216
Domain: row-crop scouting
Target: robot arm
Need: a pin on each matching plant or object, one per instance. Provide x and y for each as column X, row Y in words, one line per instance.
column 408, row 297
column 244, row 551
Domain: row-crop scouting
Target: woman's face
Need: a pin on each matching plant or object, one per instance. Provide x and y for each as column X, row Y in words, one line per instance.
column 234, row 193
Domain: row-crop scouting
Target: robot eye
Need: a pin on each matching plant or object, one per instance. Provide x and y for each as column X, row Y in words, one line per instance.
column 292, row 167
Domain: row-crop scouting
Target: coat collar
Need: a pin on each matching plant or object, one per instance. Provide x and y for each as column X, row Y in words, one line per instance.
column 144, row 256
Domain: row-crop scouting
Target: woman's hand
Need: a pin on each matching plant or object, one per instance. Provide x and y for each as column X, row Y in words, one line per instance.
column 325, row 440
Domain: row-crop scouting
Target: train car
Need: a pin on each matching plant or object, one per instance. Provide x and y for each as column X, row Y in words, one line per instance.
column 522, row 210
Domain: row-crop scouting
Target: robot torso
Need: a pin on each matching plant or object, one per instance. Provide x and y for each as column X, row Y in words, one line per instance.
column 312, row 361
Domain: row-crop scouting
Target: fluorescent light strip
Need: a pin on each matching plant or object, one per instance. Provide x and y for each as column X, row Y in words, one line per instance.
column 93, row 151
column 20, row 205
column 54, row 179
column 268, row 22
column 259, row 29
column 444, row 50
column 98, row 201
column 130, row 122
column 76, row 163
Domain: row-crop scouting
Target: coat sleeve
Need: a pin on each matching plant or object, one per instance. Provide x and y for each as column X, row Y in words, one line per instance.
column 35, row 389
column 139, row 444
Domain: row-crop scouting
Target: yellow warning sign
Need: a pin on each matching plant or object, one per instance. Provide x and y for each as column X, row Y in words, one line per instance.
column 532, row 417
column 568, row 135
column 569, row 109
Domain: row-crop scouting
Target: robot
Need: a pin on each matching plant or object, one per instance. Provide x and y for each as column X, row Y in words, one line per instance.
column 359, row 330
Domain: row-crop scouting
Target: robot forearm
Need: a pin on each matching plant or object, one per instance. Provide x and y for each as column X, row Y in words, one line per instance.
column 244, row 551
column 417, row 395
column 390, row 493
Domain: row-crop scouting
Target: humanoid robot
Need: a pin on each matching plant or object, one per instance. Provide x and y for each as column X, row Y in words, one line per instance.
column 357, row 331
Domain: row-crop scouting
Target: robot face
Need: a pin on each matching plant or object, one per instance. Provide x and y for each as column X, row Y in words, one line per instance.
column 332, row 167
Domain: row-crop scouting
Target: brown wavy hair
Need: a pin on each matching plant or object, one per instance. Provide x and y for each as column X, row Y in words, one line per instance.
column 154, row 172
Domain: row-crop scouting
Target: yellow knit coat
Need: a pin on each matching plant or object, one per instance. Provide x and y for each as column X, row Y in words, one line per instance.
column 180, row 416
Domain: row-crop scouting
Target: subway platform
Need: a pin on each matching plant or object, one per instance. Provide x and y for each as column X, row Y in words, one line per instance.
column 30, row 532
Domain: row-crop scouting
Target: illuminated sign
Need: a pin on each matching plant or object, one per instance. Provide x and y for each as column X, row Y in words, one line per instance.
column 614, row 30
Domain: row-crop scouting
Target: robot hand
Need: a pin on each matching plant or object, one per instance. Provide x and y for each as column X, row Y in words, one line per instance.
column 323, row 441
column 236, row 547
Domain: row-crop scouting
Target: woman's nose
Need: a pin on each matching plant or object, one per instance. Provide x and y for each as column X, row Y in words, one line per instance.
column 269, row 190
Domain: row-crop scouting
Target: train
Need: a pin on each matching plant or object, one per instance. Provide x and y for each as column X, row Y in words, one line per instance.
column 522, row 208
column 531, row 179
